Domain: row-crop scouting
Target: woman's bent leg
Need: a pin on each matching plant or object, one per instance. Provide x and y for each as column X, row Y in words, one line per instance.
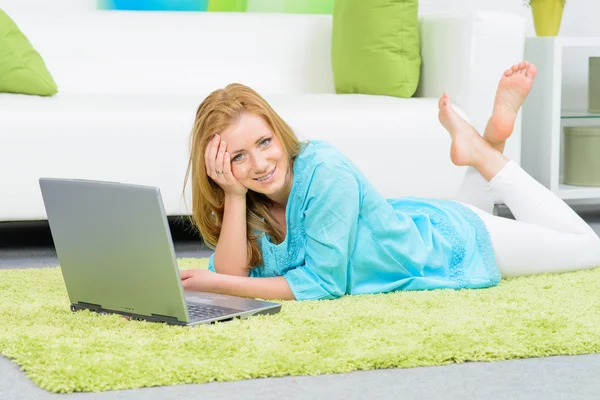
column 475, row 190
column 527, row 249
column 533, row 203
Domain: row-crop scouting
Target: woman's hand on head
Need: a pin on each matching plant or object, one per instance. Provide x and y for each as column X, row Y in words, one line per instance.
column 218, row 167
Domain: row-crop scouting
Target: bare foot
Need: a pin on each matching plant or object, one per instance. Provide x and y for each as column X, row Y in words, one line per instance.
column 513, row 89
column 466, row 141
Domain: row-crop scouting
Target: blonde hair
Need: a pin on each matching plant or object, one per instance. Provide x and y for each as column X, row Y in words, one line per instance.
column 218, row 111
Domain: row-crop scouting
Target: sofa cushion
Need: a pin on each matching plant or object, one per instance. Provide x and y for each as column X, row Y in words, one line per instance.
column 375, row 47
column 22, row 69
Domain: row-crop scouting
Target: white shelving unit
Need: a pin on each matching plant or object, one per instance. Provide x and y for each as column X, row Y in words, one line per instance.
column 549, row 109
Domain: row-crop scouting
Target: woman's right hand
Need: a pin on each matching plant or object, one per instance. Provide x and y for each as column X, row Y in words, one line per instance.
column 218, row 167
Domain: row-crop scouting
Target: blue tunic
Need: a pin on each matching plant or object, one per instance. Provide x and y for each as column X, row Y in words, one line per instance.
column 344, row 237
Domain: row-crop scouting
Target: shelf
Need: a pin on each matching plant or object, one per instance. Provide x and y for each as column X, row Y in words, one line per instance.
column 568, row 192
column 578, row 114
column 567, row 41
column 557, row 102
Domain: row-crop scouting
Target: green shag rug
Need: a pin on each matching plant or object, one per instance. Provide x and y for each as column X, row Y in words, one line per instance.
column 66, row 352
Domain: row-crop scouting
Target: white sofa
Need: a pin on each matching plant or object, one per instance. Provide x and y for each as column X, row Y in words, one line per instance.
column 130, row 82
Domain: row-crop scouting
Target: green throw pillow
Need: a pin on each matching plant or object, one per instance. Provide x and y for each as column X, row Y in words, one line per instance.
column 22, row 69
column 375, row 47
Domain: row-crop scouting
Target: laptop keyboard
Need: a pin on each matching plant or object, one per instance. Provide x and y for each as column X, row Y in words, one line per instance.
column 207, row 312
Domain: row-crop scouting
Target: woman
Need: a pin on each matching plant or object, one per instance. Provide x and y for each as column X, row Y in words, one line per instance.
column 295, row 220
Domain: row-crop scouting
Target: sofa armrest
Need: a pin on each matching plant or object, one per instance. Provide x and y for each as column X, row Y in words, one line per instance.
column 465, row 55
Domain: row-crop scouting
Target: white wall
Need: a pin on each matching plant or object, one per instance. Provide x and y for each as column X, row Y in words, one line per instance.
column 580, row 17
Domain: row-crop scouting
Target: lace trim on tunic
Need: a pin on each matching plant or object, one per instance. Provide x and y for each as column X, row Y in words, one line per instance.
column 482, row 238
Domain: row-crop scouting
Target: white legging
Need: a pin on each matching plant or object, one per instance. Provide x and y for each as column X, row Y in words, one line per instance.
column 547, row 235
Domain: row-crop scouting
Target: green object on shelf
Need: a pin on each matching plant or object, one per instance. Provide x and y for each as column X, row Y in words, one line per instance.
column 582, row 156
column 547, row 16
column 594, row 85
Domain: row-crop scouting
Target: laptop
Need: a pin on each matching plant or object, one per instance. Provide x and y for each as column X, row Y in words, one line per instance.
column 116, row 255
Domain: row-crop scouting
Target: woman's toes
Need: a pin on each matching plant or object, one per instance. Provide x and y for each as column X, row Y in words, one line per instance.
column 532, row 70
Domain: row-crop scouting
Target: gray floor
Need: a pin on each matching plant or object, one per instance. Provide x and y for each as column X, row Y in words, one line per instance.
column 29, row 245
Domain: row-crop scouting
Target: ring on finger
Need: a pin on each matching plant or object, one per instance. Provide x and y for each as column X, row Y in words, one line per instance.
column 219, row 172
